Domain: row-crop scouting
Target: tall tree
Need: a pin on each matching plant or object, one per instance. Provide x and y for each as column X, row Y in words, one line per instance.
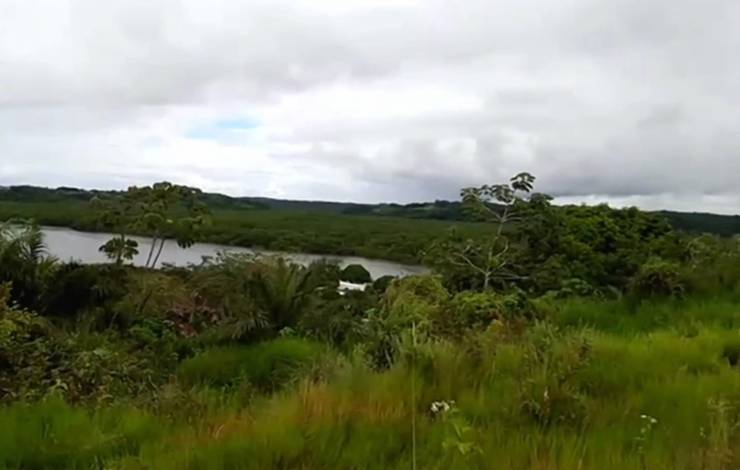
column 162, row 211
column 117, row 215
column 489, row 260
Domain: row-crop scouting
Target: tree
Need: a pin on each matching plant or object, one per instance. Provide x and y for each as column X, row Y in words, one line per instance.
column 24, row 261
column 170, row 210
column 356, row 274
column 118, row 215
column 163, row 210
column 257, row 295
column 489, row 260
column 500, row 203
column 284, row 291
column 119, row 249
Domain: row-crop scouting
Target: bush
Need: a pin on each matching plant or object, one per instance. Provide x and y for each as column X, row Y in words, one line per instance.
column 258, row 296
column 74, row 288
column 382, row 283
column 356, row 274
column 475, row 310
column 427, row 289
column 267, row 365
column 658, row 278
column 325, row 273
column 35, row 361
column 550, row 393
column 337, row 319
column 731, row 351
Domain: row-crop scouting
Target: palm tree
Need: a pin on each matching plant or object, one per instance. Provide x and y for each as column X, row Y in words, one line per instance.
column 255, row 294
column 284, row 291
column 24, row 261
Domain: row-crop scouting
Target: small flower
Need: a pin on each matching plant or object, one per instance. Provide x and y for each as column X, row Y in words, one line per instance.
column 441, row 406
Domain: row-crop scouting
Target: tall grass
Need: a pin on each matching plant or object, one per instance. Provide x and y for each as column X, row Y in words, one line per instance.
column 581, row 391
column 362, row 419
column 266, row 365
column 51, row 434
column 624, row 317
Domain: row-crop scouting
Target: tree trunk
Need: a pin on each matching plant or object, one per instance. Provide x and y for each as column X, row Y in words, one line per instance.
column 487, row 275
column 119, row 255
column 159, row 252
column 151, row 249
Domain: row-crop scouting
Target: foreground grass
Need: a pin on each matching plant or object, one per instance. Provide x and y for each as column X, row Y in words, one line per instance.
column 582, row 390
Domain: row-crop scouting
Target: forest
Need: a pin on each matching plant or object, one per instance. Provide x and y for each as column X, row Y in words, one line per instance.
column 290, row 230
column 395, row 232
column 544, row 337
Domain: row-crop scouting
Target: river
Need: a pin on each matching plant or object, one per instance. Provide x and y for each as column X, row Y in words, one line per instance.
column 67, row 244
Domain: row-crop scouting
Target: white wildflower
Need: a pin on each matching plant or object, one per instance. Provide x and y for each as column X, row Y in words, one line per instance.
column 441, row 406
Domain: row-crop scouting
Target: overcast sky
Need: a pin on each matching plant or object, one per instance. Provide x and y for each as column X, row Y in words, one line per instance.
column 626, row 101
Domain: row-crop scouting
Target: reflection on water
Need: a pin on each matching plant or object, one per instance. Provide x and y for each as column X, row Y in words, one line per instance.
column 67, row 244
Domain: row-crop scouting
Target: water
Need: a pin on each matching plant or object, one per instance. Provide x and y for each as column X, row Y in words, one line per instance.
column 67, row 244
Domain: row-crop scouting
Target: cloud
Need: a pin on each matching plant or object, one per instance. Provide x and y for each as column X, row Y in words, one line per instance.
column 630, row 102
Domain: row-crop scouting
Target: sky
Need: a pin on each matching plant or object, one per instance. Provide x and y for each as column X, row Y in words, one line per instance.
column 631, row 102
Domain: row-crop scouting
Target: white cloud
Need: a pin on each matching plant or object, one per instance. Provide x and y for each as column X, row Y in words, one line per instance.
column 628, row 101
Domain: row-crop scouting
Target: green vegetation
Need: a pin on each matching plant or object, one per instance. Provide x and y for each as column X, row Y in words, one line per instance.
column 389, row 231
column 550, row 338
column 163, row 210
column 355, row 273
column 396, row 239
column 265, row 365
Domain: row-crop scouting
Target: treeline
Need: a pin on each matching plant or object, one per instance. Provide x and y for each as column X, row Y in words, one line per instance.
column 694, row 222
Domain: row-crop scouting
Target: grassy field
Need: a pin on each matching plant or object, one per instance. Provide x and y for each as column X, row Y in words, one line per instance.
column 392, row 238
column 656, row 389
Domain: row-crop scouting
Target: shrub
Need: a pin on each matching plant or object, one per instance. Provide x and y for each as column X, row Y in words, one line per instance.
column 356, row 274
column 656, row 278
column 428, row 289
column 267, row 365
column 475, row 310
column 258, row 295
column 550, row 393
column 382, row 283
column 411, row 301
column 24, row 346
column 731, row 351
column 337, row 319
column 325, row 273
column 24, row 262
column 74, row 288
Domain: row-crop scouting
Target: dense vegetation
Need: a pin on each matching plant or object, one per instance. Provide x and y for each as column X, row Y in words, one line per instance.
column 390, row 231
column 581, row 337
column 392, row 238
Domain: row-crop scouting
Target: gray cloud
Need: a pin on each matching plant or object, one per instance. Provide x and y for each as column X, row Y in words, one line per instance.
column 627, row 101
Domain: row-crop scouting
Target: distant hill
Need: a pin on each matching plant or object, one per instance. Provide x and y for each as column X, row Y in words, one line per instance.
column 725, row 225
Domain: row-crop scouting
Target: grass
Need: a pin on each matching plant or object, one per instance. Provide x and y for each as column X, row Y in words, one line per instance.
column 567, row 393
column 625, row 318
column 52, row 434
column 266, row 365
